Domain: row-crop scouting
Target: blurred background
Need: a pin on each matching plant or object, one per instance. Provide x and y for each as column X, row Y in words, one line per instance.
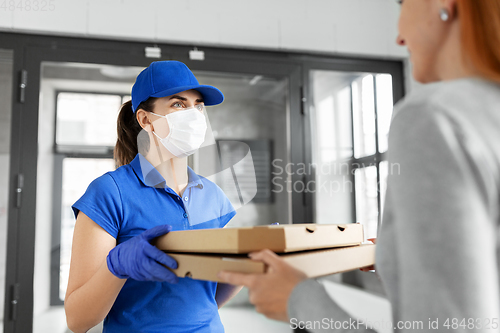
column 309, row 88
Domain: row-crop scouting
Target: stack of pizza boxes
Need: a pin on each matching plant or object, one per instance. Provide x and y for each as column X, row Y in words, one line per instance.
column 316, row 249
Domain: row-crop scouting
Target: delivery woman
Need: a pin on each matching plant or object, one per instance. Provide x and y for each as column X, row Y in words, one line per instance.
column 116, row 274
column 439, row 243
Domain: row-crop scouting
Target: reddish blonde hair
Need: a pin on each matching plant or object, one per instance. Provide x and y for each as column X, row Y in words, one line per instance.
column 480, row 33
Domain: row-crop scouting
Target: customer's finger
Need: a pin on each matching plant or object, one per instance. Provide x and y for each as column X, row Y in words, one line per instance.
column 268, row 257
column 237, row 279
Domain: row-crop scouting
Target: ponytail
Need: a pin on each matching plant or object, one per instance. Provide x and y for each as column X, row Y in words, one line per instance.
column 128, row 129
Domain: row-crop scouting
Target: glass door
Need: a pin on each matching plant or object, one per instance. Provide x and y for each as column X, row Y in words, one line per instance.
column 77, row 116
column 350, row 118
column 6, row 82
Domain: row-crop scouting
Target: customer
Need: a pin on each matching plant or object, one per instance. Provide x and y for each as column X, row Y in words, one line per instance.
column 438, row 248
column 116, row 273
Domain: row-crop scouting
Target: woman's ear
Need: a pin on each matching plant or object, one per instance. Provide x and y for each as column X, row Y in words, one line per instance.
column 450, row 6
column 143, row 119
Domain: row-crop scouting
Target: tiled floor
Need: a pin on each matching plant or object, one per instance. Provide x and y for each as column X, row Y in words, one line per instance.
column 236, row 319
column 244, row 319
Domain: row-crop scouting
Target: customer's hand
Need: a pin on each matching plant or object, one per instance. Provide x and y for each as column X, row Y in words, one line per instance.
column 137, row 259
column 269, row 292
column 371, row 267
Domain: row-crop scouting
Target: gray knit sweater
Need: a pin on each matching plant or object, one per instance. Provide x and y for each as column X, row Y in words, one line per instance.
column 438, row 246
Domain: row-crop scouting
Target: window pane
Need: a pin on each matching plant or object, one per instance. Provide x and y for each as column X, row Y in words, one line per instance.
column 333, row 125
column 87, row 119
column 78, row 173
column 366, row 200
column 383, row 170
column 384, row 109
column 364, row 116
column 331, row 130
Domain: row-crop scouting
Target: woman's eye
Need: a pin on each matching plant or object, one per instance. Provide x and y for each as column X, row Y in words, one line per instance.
column 177, row 105
column 199, row 107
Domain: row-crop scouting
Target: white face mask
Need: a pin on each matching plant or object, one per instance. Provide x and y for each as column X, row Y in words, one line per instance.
column 187, row 131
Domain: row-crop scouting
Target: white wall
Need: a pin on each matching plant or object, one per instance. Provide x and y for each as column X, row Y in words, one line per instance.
column 360, row 27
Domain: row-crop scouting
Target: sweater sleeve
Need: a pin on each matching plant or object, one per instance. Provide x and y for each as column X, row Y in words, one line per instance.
column 446, row 236
column 310, row 307
column 446, row 232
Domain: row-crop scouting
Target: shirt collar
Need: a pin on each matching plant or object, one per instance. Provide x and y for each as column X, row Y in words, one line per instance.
column 194, row 179
column 148, row 174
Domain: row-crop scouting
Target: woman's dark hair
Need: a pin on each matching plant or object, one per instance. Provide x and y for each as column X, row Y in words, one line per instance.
column 128, row 143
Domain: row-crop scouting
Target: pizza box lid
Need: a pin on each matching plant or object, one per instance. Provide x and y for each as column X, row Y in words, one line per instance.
column 277, row 238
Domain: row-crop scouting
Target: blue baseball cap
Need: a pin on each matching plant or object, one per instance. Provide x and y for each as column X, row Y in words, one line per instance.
column 165, row 78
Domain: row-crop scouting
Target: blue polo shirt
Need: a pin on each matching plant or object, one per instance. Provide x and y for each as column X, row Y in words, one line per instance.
column 134, row 198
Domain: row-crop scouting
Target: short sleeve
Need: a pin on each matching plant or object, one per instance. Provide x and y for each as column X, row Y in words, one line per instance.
column 102, row 204
column 227, row 210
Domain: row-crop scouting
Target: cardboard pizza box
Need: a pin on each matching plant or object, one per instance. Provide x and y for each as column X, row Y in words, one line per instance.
column 277, row 238
column 314, row 263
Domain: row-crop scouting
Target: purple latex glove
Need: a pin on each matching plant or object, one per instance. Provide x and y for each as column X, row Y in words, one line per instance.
column 137, row 259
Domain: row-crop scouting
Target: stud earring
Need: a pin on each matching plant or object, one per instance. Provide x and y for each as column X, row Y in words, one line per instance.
column 444, row 14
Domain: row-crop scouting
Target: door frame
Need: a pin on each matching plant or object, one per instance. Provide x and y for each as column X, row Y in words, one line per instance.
column 16, row 168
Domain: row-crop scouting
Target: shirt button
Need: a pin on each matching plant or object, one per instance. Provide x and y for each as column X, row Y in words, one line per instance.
column 186, row 198
column 185, row 215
